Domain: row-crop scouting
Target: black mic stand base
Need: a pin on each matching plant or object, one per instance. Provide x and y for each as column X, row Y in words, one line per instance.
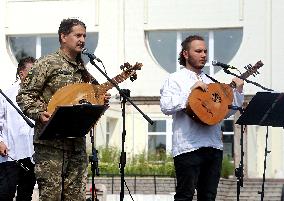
column 93, row 159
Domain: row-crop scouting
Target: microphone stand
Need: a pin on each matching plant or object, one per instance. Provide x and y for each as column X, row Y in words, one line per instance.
column 239, row 172
column 248, row 81
column 125, row 98
column 266, row 152
column 94, row 165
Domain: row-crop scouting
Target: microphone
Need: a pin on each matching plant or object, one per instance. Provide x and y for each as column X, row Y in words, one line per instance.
column 91, row 56
column 225, row 66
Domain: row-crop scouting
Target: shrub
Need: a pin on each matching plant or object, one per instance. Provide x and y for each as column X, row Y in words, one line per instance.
column 227, row 167
column 140, row 164
column 146, row 164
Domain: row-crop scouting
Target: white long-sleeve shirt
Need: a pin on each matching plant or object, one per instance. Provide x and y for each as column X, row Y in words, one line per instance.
column 16, row 134
column 188, row 135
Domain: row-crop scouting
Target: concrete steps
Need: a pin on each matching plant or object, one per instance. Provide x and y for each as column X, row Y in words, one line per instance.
column 227, row 189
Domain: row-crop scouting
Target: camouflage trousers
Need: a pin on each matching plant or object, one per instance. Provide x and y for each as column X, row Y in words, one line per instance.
column 53, row 164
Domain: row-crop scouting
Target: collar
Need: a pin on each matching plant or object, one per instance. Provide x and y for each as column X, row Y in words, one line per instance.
column 80, row 65
column 193, row 74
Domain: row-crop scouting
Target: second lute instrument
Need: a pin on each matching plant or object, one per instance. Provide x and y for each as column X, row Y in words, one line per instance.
column 210, row 107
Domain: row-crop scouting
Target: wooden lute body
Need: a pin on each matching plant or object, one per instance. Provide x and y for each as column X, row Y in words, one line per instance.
column 212, row 106
column 89, row 93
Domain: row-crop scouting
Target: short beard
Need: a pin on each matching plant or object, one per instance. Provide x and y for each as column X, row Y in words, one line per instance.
column 194, row 66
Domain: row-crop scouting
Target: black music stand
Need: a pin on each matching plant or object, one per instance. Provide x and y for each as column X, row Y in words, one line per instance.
column 265, row 109
column 72, row 121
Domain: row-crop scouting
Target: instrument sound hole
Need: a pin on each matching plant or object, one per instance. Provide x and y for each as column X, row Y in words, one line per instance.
column 216, row 98
column 84, row 101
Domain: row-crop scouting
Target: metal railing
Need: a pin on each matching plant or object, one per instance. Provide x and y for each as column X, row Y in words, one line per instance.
column 137, row 181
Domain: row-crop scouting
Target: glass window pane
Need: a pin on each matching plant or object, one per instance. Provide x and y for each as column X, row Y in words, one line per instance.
column 227, row 125
column 91, row 45
column 163, row 47
column 206, row 69
column 23, row 46
column 158, row 126
column 107, row 126
column 228, row 149
column 49, row 44
column 156, row 143
column 226, row 44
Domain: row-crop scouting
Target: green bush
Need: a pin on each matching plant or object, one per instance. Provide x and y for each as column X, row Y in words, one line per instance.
column 145, row 164
column 140, row 164
column 227, row 167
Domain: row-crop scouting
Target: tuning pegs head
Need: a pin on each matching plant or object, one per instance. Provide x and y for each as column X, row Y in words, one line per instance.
column 138, row 65
column 133, row 77
column 125, row 66
column 247, row 67
column 255, row 73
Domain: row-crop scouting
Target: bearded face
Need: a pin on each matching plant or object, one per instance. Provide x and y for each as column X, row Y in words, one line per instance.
column 196, row 54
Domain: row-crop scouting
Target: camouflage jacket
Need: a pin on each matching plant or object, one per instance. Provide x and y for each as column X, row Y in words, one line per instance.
column 49, row 74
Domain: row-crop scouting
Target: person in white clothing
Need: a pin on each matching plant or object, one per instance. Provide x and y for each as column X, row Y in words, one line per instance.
column 16, row 144
column 197, row 148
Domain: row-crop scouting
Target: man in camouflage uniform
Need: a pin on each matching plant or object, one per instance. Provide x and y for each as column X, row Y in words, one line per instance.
column 49, row 74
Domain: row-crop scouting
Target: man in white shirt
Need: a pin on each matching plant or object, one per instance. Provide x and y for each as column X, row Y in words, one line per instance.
column 16, row 144
column 197, row 148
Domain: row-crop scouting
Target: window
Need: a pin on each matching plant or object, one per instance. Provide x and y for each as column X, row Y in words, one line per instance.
column 23, row 46
column 107, row 132
column 222, row 44
column 228, row 137
column 163, row 48
column 110, row 127
column 157, row 137
column 40, row 45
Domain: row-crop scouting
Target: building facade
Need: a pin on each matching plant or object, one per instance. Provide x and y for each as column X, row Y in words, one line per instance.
column 237, row 32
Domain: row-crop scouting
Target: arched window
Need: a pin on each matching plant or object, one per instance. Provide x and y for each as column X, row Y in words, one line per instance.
column 222, row 45
column 40, row 45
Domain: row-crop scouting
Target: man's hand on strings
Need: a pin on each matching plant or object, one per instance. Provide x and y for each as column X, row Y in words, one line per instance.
column 239, row 84
column 44, row 117
column 201, row 85
column 107, row 96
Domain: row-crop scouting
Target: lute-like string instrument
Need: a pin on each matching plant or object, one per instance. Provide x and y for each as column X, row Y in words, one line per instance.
column 211, row 107
column 90, row 93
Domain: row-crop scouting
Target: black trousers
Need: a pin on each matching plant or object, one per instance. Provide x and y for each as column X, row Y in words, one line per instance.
column 200, row 170
column 14, row 178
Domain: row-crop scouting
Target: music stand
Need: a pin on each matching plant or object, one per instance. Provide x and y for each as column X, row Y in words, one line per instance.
column 265, row 109
column 72, row 121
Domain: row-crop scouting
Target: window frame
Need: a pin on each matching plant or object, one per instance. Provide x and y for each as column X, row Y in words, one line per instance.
column 167, row 134
column 209, row 68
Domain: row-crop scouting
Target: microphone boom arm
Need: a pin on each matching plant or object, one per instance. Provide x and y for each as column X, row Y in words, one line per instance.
column 248, row 81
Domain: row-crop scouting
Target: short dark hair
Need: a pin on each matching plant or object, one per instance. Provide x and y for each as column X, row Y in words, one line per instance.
column 66, row 26
column 185, row 46
column 22, row 64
